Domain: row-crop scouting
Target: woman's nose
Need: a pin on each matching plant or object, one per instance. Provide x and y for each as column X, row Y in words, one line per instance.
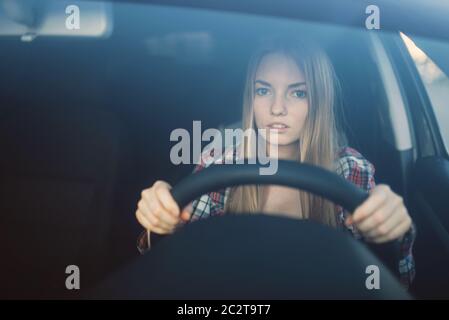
column 278, row 107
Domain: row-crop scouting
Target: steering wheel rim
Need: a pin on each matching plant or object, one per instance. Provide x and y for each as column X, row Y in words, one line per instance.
column 237, row 256
column 302, row 176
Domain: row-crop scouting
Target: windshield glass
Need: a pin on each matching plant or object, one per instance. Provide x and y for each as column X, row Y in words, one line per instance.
column 99, row 100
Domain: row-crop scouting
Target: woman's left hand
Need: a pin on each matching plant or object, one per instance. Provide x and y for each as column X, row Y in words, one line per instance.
column 382, row 217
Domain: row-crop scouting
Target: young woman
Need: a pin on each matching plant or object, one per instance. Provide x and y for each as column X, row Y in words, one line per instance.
column 291, row 89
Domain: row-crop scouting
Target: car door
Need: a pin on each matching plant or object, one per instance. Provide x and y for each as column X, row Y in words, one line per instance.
column 423, row 67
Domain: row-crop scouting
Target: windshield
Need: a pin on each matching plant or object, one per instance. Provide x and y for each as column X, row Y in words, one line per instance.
column 99, row 100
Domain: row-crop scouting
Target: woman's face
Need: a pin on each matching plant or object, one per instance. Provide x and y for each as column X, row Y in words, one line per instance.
column 280, row 97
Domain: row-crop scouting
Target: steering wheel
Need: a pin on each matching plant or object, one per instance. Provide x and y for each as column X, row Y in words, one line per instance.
column 256, row 256
column 292, row 174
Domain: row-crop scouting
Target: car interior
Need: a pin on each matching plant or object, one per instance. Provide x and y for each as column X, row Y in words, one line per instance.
column 85, row 126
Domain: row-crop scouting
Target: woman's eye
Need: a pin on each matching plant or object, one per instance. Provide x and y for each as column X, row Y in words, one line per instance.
column 262, row 91
column 299, row 94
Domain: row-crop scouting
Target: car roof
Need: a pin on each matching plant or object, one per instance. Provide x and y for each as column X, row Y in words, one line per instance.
column 416, row 17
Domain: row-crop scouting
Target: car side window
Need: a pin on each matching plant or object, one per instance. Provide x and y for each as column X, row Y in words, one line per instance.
column 435, row 81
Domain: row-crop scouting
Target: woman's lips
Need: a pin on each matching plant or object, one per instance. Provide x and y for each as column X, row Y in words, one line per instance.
column 278, row 127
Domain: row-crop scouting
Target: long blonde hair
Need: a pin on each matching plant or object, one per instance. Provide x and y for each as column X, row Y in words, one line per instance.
column 319, row 140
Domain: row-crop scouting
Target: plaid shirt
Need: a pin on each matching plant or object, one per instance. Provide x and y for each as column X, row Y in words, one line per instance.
column 350, row 164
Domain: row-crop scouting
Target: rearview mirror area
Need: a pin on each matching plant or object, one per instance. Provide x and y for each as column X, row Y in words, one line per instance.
column 29, row 19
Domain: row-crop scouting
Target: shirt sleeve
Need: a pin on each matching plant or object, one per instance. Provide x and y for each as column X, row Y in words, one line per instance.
column 146, row 239
column 358, row 170
column 143, row 242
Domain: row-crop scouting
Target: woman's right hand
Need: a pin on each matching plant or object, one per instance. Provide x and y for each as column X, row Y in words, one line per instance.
column 158, row 212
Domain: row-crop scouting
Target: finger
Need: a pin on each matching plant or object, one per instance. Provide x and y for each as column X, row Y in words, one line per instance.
column 188, row 208
column 159, row 230
column 185, row 216
column 380, row 216
column 376, row 198
column 187, row 212
column 152, row 214
column 143, row 221
column 396, row 233
column 149, row 226
column 396, row 218
column 156, row 208
column 166, row 218
column 166, row 199
column 161, row 194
